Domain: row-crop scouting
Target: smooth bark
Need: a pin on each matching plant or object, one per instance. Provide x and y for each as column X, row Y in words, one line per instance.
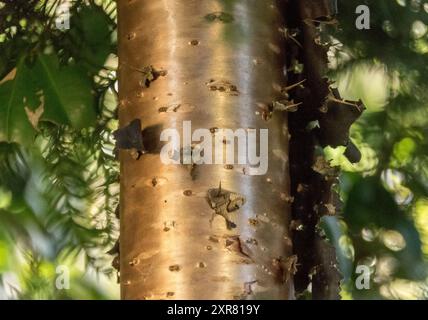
column 218, row 64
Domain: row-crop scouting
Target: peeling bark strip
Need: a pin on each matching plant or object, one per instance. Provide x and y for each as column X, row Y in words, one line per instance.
column 225, row 59
column 312, row 178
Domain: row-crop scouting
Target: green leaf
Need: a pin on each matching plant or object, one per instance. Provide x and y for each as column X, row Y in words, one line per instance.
column 67, row 92
column 17, row 91
column 45, row 91
column 91, row 35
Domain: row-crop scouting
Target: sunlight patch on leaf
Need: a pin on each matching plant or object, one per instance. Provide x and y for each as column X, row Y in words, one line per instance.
column 368, row 83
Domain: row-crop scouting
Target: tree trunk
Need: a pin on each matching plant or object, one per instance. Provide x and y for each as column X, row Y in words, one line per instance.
column 203, row 231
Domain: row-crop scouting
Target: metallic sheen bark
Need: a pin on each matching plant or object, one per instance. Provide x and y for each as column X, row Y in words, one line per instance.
column 169, row 247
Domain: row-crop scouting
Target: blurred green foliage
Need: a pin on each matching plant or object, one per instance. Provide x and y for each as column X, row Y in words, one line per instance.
column 58, row 188
column 383, row 225
column 58, row 175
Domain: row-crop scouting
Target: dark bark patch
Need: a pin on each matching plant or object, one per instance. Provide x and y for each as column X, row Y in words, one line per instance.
column 131, row 36
column 225, row 203
column 223, row 86
column 168, row 225
column 252, row 241
column 219, row 16
column 130, row 137
column 234, row 244
column 324, row 118
column 177, row 107
column 194, row 42
column 174, row 268
column 213, row 239
column 253, row 222
column 335, row 120
column 188, row 193
column 156, row 182
column 150, row 74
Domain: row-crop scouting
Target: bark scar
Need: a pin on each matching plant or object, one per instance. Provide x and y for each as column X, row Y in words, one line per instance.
column 225, row 203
